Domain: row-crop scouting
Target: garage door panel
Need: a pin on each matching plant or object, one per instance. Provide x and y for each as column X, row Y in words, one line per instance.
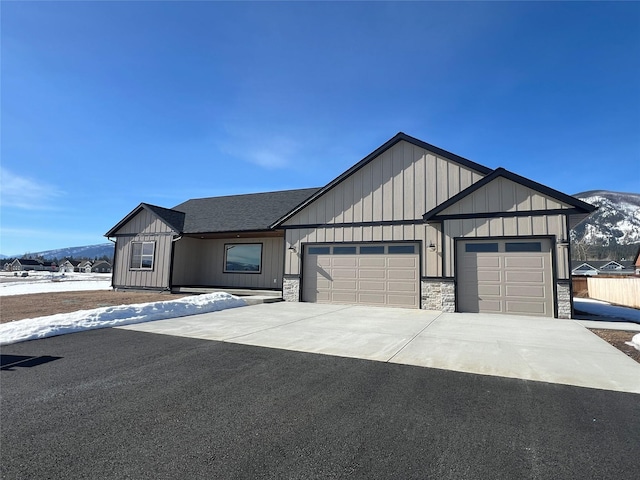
column 491, row 306
column 402, row 274
column 529, row 291
column 530, row 308
column 401, row 287
column 344, row 261
column 495, row 290
column 488, row 262
column 344, row 297
column 345, row 285
column 525, row 277
column 378, row 286
column 373, row 277
column 402, row 262
column 367, row 262
column 511, row 280
column 405, row 301
column 371, row 299
column 489, row 275
column 344, row 273
column 525, row 262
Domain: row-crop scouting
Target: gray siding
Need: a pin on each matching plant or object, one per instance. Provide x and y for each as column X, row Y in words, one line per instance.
column 158, row 278
column 201, row 262
column 144, row 222
column 143, row 227
column 503, row 195
column 401, row 184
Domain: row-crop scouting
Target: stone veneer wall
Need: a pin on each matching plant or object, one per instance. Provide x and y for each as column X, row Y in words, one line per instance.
column 291, row 289
column 438, row 295
column 564, row 299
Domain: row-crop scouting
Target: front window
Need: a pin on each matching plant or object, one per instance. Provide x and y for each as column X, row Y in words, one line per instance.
column 142, row 255
column 243, row 258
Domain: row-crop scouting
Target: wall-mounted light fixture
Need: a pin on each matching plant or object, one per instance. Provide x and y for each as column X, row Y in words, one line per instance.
column 432, row 247
column 292, row 248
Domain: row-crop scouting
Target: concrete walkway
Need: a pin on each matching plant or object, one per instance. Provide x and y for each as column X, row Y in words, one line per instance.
column 529, row 348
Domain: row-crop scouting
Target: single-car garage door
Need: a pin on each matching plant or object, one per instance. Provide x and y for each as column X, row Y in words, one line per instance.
column 370, row 274
column 505, row 276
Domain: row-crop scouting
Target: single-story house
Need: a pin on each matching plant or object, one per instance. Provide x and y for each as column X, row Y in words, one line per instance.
column 84, row 266
column 29, row 264
column 101, row 266
column 602, row 267
column 69, row 266
column 410, row 225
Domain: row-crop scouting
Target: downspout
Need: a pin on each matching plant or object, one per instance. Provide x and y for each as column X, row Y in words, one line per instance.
column 113, row 267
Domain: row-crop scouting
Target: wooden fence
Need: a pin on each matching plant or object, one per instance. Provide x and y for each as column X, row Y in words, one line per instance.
column 621, row 291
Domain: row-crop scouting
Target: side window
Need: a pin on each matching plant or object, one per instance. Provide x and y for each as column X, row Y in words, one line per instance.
column 523, row 247
column 402, row 249
column 344, row 250
column 142, row 255
column 318, row 250
column 480, row 247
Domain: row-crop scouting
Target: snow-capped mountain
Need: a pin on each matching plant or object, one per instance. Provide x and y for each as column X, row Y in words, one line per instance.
column 87, row 251
column 616, row 222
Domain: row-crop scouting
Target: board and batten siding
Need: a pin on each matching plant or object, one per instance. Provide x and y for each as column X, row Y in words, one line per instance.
column 143, row 227
column 157, row 278
column 504, row 195
column 201, row 262
column 145, row 222
column 401, row 184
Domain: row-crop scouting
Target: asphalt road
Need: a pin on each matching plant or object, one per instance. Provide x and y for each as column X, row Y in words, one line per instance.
column 121, row 404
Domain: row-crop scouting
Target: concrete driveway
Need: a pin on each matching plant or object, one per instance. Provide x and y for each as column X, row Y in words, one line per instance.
column 529, row 348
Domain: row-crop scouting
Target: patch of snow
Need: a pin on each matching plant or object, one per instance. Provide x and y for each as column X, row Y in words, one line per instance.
column 635, row 341
column 42, row 327
column 610, row 313
column 46, row 282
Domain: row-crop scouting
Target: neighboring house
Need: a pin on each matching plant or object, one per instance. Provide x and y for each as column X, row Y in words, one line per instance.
column 26, row 264
column 602, row 267
column 101, row 266
column 84, row 266
column 636, row 262
column 410, row 225
column 68, row 266
column 49, row 266
column 584, row 269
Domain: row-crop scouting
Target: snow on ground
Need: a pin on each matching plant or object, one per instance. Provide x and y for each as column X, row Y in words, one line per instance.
column 610, row 313
column 45, row 282
column 42, row 327
column 635, row 341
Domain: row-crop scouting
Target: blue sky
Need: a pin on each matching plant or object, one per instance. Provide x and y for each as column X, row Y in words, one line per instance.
column 108, row 104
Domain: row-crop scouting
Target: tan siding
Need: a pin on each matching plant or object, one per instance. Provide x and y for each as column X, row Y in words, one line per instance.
column 202, row 263
column 401, row 184
column 143, row 223
column 158, row 278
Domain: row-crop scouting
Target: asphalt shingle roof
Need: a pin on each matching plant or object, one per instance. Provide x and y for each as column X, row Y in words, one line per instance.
column 236, row 213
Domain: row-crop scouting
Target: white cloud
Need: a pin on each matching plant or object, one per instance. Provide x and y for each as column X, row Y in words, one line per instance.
column 26, row 193
column 271, row 152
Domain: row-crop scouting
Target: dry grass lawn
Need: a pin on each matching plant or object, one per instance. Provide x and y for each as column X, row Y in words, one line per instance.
column 18, row 307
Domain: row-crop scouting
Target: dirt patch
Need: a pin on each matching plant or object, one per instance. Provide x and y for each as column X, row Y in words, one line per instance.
column 617, row 338
column 19, row 307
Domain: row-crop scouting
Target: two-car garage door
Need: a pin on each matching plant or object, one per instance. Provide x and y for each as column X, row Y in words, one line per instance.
column 505, row 276
column 385, row 274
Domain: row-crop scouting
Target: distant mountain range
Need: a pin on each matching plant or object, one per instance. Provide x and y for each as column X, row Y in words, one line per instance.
column 616, row 222
column 87, row 251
